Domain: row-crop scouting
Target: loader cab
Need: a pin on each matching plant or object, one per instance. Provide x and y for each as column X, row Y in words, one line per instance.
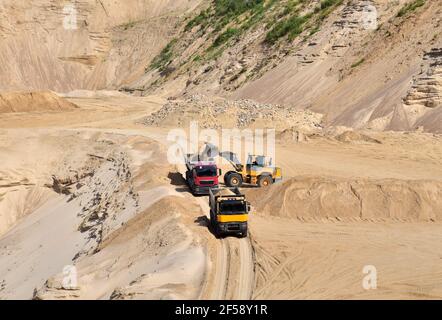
column 259, row 161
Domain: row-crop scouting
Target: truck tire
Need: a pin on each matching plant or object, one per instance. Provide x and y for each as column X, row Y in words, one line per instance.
column 226, row 176
column 244, row 233
column 265, row 181
column 233, row 180
column 218, row 233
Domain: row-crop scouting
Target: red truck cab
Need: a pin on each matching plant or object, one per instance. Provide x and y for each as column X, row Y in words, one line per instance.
column 202, row 176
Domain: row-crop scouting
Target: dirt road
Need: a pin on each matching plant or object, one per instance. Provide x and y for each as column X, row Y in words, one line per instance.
column 232, row 276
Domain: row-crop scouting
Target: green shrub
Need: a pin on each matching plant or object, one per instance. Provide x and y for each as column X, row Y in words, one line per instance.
column 201, row 19
column 358, row 63
column 235, row 8
column 410, row 7
column 326, row 7
column 291, row 27
column 226, row 36
column 128, row 25
column 164, row 58
column 329, row 3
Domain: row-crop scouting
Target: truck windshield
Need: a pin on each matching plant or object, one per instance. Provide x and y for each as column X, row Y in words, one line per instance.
column 206, row 171
column 232, row 207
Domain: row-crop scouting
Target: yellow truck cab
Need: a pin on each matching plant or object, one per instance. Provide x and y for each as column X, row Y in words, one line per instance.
column 229, row 212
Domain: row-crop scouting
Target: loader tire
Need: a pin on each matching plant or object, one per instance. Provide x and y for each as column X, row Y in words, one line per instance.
column 265, row 181
column 234, row 180
column 226, row 176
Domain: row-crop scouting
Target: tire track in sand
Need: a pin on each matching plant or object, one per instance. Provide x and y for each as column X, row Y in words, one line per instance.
column 222, row 266
column 233, row 276
column 246, row 274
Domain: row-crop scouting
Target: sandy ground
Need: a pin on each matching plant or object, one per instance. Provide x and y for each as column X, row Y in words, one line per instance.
column 91, row 188
column 325, row 260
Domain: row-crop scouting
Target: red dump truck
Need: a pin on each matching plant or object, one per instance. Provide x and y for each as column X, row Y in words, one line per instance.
column 201, row 176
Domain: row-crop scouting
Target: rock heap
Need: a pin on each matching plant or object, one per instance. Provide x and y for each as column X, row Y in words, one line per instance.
column 244, row 113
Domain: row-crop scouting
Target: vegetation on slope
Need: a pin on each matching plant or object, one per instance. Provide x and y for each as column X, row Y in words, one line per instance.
column 164, row 58
column 358, row 63
column 291, row 27
column 224, row 22
column 224, row 12
column 410, row 7
column 292, row 24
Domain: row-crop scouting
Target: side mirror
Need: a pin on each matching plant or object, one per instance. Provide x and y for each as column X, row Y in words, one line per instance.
column 249, row 207
column 220, row 172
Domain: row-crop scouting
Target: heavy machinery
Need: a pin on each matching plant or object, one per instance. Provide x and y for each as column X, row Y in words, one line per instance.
column 259, row 170
column 201, row 176
column 229, row 212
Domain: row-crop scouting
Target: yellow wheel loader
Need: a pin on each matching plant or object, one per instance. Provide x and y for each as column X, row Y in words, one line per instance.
column 259, row 171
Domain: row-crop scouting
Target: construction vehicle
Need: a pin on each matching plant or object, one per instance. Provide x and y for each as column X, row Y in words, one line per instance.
column 259, row 170
column 229, row 212
column 201, row 176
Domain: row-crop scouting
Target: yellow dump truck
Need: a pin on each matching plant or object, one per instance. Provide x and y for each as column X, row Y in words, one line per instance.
column 229, row 212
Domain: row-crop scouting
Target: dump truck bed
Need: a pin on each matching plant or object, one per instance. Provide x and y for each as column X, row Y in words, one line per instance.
column 225, row 192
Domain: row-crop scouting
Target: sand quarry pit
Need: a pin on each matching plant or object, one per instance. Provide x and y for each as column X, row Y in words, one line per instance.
column 94, row 193
column 91, row 208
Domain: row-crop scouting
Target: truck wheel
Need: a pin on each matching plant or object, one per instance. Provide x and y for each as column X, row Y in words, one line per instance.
column 265, row 181
column 244, row 233
column 218, row 233
column 234, row 180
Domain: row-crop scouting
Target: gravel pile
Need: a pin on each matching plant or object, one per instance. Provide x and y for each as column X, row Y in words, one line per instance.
column 245, row 111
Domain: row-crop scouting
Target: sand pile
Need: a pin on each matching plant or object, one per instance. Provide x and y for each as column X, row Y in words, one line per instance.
column 355, row 137
column 317, row 198
column 292, row 136
column 217, row 113
column 33, row 101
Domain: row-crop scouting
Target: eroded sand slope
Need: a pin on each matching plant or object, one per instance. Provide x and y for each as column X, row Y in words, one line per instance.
column 62, row 46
